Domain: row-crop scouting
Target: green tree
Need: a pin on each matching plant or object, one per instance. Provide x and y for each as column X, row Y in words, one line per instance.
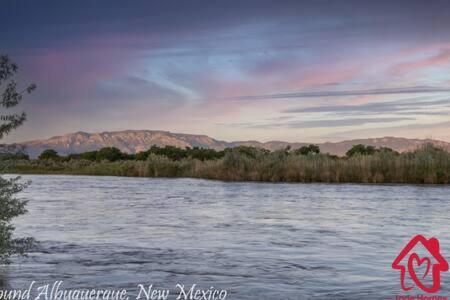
column 109, row 153
column 251, row 152
column 204, row 154
column 361, row 150
column 387, row 150
column 10, row 206
column 91, row 155
column 49, row 154
column 305, row 150
column 171, row 152
column 143, row 155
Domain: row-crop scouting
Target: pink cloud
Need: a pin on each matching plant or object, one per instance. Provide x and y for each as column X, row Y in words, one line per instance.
column 439, row 59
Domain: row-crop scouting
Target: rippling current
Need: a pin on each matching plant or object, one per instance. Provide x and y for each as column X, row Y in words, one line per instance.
column 256, row 240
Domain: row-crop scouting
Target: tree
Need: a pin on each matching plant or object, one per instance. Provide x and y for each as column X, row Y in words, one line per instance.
column 305, row 150
column 361, row 150
column 10, row 206
column 109, row 153
column 143, row 155
column 387, row 150
column 204, row 154
column 91, row 155
column 49, row 154
column 251, row 152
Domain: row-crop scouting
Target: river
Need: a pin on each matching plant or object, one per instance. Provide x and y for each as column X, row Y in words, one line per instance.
column 254, row 240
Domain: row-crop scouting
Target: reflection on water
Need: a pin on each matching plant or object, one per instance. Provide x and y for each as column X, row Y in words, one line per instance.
column 3, row 282
column 256, row 240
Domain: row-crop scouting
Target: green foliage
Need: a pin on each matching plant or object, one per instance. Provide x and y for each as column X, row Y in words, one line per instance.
column 107, row 153
column 368, row 150
column 204, row 154
column 305, row 150
column 251, row 152
column 49, row 154
column 170, row 152
column 14, row 156
column 386, row 150
column 110, row 154
column 10, row 206
column 91, row 155
column 10, row 96
column 162, row 166
column 175, row 153
column 360, row 150
column 425, row 165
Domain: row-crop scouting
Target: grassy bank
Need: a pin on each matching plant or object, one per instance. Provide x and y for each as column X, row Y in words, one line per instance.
column 425, row 165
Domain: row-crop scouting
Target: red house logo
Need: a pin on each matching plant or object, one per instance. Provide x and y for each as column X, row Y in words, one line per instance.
column 409, row 263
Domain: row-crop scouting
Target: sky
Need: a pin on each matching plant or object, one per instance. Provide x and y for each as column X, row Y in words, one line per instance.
column 298, row 71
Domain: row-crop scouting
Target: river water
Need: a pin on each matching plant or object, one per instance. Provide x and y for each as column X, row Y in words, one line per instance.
column 254, row 240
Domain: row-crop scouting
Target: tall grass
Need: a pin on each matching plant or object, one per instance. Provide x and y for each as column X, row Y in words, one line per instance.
column 425, row 165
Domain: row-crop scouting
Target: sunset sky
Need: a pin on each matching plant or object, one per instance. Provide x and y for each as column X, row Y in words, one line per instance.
column 234, row 70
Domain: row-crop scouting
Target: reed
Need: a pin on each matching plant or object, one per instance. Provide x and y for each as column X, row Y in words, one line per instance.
column 428, row 165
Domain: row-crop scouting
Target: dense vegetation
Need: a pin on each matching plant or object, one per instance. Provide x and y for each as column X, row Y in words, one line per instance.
column 10, row 205
column 362, row 164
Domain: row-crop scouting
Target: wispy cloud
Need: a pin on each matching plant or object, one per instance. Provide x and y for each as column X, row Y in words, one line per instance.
column 317, row 94
column 442, row 58
column 399, row 106
column 436, row 130
column 320, row 123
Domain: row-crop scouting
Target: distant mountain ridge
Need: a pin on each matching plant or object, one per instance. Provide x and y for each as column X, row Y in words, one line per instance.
column 133, row 141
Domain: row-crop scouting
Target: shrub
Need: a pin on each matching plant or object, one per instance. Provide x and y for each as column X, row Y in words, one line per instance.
column 10, row 206
column 305, row 150
column 49, row 154
column 109, row 153
column 425, row 165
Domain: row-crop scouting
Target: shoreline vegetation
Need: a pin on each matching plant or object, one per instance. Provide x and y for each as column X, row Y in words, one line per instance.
column 361, row 164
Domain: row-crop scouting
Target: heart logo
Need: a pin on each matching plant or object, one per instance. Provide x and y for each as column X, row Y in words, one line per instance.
column 417, row 267
column 414, row 268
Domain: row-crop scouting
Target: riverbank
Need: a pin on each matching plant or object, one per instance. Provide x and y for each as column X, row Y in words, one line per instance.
column 423, row 166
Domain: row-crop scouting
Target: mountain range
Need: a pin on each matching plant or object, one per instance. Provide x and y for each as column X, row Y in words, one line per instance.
column 133, row 141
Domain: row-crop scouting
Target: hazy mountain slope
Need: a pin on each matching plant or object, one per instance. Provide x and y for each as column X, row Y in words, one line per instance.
column 340, row 148
column 396, row 143
column 129, row 141
column 138, row 140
